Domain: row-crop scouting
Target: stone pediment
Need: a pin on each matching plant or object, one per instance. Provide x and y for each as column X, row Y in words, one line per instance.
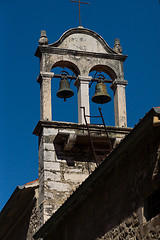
column 82, row 39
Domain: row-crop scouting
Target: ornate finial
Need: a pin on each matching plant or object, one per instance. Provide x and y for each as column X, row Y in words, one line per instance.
column 117, row 46
column 43, row 40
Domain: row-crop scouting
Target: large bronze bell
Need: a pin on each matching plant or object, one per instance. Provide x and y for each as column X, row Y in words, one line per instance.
column 101, row 95
column 64, row 89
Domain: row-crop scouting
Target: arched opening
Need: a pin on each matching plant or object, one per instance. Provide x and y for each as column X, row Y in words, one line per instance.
column 65, row 111
column 105, row 69
column 107, row 108
column 67, row 64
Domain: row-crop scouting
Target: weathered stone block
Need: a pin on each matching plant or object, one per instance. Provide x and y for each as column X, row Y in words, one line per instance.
column 73, row 177
column 49, row 147
column 48, row 210
column 49, row 156
column 52, row 176
column 73, row 170
column 46, row 217
column 53, row 166
column 50, row 131
column 58, row 186
column 48, row 194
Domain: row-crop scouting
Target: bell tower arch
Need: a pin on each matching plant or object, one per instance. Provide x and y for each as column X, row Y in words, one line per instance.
column 82, row 51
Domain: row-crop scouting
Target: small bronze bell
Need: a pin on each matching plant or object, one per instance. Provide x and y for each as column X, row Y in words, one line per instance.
column 101, row 96
column 64, row 89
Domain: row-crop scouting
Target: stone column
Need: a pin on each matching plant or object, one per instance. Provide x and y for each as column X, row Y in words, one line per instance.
column 118, row 87
column 45, row 95
column 83, row 97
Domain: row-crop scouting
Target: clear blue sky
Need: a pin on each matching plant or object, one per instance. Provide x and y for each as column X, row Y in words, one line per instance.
column 135, row 23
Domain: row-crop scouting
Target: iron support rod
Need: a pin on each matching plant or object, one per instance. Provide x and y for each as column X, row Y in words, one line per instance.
column 103, row 80
column 97, row 79
column 67, row 76
column 80, row 2
column 75, row 77
column 79, row 14
column 93, row 116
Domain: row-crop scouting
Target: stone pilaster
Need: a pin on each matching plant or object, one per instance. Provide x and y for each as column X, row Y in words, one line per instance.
column 48, row 168
column 83, row 97
column 45, row 95
column 118, row 88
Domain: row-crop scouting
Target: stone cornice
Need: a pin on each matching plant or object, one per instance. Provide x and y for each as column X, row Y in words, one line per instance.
column 60, row 51
column 76, row 126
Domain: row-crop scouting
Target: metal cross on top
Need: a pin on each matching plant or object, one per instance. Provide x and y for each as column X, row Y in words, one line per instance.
column 79, row 2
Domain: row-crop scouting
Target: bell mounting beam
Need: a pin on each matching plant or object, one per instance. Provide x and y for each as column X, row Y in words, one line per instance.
column 79, row 3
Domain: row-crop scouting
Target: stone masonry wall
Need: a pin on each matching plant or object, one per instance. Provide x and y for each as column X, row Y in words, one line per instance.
column 114, row 207
column 57, row 178
column 129, row 230
column 132, row 229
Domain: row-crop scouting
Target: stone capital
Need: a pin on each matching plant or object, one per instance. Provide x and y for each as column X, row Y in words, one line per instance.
column 82, row 79
column 118, row 82
column 44, row 75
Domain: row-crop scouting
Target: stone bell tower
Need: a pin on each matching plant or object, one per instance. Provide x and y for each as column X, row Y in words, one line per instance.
column 65, row 154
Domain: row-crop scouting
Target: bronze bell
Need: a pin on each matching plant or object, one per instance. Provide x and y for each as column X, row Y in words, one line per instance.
column 64, row 89
column 101, row 96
